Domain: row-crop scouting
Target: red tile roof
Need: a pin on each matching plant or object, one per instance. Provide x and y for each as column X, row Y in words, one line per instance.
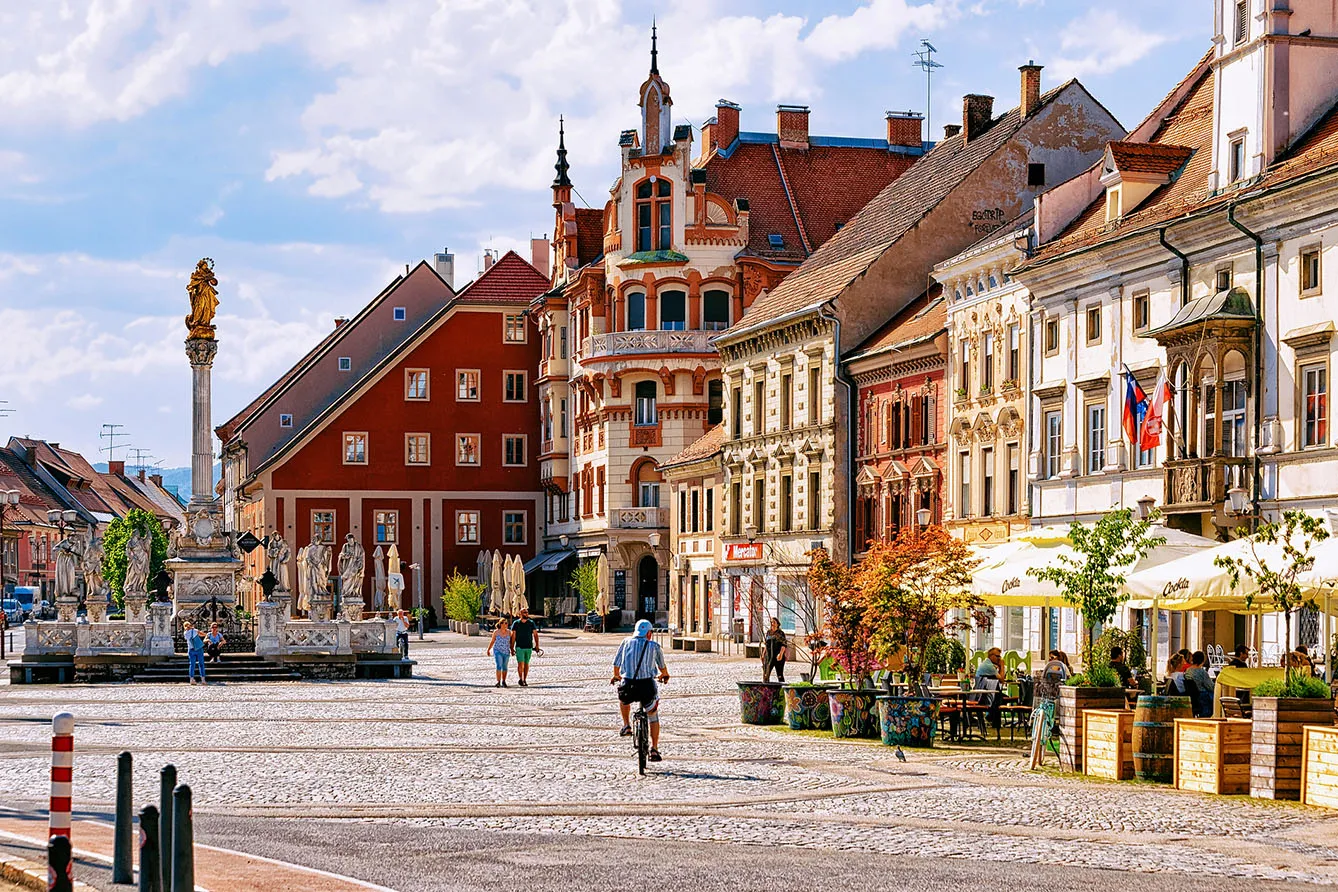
column 511, row 280
column 589, row 234
column 35, row 499
column 705, row 446
column 827, row 187
column 920, row 320
column 1154, row 158
column 890, row 215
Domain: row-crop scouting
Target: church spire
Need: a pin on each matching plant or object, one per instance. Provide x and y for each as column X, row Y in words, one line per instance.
column 654, row 51
column 562, row 166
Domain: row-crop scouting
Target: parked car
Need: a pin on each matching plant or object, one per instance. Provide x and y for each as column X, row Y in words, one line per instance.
column 14, row 613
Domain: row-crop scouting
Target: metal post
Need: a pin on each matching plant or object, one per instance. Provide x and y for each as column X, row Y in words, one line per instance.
column 62, row 774
column 166, row 783
column 183, row 842
column 150, row 864
column 60, row 865
column 418, row 592
column 122, row 855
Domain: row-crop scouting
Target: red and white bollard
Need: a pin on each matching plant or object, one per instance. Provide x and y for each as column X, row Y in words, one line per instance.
column 62, row 773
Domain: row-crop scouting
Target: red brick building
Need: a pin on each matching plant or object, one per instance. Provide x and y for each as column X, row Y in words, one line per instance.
column 901, row 438
column 431, row 448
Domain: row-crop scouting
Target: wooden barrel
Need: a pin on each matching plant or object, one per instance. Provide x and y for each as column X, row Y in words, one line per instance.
column 1154, row 736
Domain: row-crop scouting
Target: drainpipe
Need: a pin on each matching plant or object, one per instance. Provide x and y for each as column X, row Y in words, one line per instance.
column 1184, row 264
column 1258, row 349
column 828, row 312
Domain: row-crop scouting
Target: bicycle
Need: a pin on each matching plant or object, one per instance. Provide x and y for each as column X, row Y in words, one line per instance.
column 1042, row 726
column 641, row 737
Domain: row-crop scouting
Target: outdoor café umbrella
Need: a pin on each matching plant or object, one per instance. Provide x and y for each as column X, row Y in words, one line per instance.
column 522, row 601
column 482, row 567
column 378, row 580
column 497, row 584
column 602, row 572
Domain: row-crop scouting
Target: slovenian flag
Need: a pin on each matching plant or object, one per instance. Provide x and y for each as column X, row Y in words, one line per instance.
column 1154, row 421
column 1135, row 406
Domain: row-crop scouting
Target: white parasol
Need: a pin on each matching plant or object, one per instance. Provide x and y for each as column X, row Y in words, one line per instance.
column 378, row 580
column 602, row 573
column 497, row 584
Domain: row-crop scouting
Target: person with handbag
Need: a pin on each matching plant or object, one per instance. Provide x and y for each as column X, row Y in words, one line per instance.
column 774, row 647
column 634, row 674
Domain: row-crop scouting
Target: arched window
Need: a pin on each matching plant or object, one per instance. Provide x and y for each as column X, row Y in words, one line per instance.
column 646, row 415
column 715, row 310
column 647, row 485
column 673, row 310
column 654, row 215
column 636, row 311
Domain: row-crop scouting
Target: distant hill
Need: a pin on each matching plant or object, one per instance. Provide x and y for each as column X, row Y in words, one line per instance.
column 174, row 479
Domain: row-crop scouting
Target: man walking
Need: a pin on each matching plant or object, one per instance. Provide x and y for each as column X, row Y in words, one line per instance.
column 402, row 633
column 524, row 642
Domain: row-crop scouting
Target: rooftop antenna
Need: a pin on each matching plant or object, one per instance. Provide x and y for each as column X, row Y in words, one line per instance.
column 924, row 59
column 142, row 458
column 111, row 433
column 5, row 408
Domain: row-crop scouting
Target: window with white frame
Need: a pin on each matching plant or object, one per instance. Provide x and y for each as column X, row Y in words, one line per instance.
column 1014, row 478
column 417, row 449
column 355, row 448
column 513, row 387
column 467, row 527
column 715, row 310
column 323, row 526
column 646, row 415
column 1015, row 353
column 514, row 331
column 987, row 482
column 1314, row 405
column 1054, row 443
column 987, row 363
column 400, row 314
column 467, row 385
column 415, row 384
column 387, row 527
column 964, row 366
column 964, row 484
column 513, row 527
column 1240, row 26
column 1310, row 271
column 1096, row 437
column 467, row 449
column 636, row 311
column 673, row 311
column 345, row 363
column 285, row 419
column 513, row 450
column 1236, row 156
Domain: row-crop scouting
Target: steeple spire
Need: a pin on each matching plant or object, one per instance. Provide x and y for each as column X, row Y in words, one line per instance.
column 562, row 166
column 654, row 51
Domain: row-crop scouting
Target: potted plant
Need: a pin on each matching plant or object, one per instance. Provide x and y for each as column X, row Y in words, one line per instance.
column 986, row 390
column 961, row 394
column 806, row 704
column 462, row 600
column 846, row 633
column 1008, row 385
column 1277, row 553
column 911, row 588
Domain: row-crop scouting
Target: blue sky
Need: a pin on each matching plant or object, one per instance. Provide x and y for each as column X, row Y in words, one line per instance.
column 313, row 147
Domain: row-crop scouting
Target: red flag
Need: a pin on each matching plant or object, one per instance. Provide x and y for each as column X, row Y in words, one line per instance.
column 1135, row 404
column 1155, row 419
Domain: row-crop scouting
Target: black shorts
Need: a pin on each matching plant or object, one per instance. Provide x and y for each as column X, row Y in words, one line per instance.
column 639, row 690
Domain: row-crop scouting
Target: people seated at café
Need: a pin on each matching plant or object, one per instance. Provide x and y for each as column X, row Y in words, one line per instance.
column 1241, row 658
column 1120, row 667
column 1300, row 659
column 990, row 667
column 1203, row 684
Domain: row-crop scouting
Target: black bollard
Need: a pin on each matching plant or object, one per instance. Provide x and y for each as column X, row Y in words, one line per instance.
column 60, row 865
column 150, row 864
column 122, row 851
column 183, row 842
column 167, row 783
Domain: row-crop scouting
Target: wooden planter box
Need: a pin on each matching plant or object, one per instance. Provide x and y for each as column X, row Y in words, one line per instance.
column 1107, row 743
column 1069, row 709
column 1213, row 755
column 1319, row 776
column 1275, row 745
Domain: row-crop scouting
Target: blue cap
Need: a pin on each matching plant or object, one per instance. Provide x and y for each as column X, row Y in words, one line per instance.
column 642, row 628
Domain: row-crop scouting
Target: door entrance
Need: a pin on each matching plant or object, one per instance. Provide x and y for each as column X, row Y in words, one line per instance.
column 648, row 588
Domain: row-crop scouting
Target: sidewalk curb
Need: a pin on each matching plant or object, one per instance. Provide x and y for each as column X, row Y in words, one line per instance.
column 31, row 874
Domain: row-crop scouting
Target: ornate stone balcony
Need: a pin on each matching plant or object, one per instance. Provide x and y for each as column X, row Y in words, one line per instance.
column 626, row 343
column 1201, row 484
column 641, row 518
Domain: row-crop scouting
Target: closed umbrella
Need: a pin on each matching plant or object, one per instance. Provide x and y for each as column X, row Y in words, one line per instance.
column 482, row 566
column 378, row 580
column 497, row 584
column 522, row 600
column 602, row 571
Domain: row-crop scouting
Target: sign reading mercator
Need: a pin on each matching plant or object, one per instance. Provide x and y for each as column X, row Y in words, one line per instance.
column 744, row 551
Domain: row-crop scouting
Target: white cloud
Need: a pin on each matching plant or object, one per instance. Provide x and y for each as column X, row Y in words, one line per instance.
column 84, row 401
column 1102, row 42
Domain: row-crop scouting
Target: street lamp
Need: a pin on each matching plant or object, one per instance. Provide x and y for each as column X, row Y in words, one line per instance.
column 654, row 540
column 1236, row 497
column 922, row 516
column 62, row 519
column 1145, row 507
column 563, row 540
column 418, row 592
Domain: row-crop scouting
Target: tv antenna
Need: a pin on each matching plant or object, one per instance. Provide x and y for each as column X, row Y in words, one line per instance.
column 111, row 433
column 142, row 458
column 924, row 59
column 5, row 408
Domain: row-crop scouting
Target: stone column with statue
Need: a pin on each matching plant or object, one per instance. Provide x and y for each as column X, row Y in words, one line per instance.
column 319, row 598
column 352, row 566
column 69, row 553
column 277, row 555
column 95, row 587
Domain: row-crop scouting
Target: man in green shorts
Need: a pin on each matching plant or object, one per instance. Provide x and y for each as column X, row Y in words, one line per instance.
column 524, row 642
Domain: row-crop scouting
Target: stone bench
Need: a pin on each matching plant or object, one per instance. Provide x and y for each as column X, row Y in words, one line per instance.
column 41, row 671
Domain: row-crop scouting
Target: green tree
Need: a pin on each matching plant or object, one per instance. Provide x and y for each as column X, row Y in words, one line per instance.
column 462, row 598
column 1274, row 569
column 584, row 582
column 1092, row 579
column 114, row 560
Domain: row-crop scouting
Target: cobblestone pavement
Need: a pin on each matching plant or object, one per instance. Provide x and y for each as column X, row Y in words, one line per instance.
column 447, row 750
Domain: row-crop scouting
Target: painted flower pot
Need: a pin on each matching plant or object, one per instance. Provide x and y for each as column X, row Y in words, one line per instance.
column 854, row 713
column 806, row 708
column 761, row 703
column 907, row 721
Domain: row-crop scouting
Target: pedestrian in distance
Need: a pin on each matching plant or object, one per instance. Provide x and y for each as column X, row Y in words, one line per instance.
column 402, row 633
column 499, row 646
column 774, row 649
column 213, row 644
column 524, row 643
column 194, row 651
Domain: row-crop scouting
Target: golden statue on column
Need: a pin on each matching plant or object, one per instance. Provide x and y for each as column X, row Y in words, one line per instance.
column 203, row 291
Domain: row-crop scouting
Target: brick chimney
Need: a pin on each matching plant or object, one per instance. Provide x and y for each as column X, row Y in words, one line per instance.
column 488, row 260
column 1031, row 89
column 140, row 475
column 539, row 255
column 951, row 130
column 904, row 129
column 157, row 480
column 727, row 123
column 792, row 126
column 977, row 112
column 116, row 467
column 340, row 320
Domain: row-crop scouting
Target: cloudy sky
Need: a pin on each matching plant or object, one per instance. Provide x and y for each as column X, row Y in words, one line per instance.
column 313, row 147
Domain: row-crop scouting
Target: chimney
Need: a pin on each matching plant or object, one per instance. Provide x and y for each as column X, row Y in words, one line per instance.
column 710, row 131
column 116, row 467
column 539, row 255
column 141, row 475
column 727, row 123
column 792, row 126
column 1031, row 89
column 157, row 480
column 488, row 260
column 903, row 129
column 951, row 130
column 444, row 263
column 340, row 320
column 977, row 112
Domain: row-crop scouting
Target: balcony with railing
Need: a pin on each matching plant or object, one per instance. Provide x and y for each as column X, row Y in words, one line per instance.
column 625, row 343
column 1202, row 484
column 556, row 367
column 641, row 518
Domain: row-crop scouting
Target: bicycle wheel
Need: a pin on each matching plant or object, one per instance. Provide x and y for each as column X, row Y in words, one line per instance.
column 641, row 734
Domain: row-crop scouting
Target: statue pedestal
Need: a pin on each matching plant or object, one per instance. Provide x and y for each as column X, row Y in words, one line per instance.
column 284, row 598
column 320, row 609
column 96, row 606
column 352, row 609
column 135, row 607
column 160, row 630
column 67, row 606
column 269, row 627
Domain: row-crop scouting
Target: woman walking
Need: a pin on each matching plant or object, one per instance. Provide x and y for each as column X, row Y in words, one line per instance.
column 500, row 648
column 773, row 652
column 194, row 651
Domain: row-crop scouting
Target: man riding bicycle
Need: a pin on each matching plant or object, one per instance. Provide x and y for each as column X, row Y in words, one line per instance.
column 634, row 668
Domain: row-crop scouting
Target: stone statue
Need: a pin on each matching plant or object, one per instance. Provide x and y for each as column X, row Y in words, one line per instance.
column 319, row 556
column 203, row 291
column 138, row 554
column 352, row 565
column 94, row 584
column 277, row 555
column 303, row 581
column 67, row 566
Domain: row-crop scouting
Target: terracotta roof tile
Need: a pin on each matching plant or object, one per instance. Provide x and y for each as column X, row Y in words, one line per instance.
column 589, row 234
column 1155, row 158
column 703, row 447
column 510, row 280
column 884, row 220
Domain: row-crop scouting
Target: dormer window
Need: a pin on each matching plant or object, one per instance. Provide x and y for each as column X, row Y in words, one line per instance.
column 654, row 215
column 1133, row 171
column 776, row 241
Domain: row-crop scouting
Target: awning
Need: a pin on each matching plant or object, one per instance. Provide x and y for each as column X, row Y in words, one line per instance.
column 547, row 561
